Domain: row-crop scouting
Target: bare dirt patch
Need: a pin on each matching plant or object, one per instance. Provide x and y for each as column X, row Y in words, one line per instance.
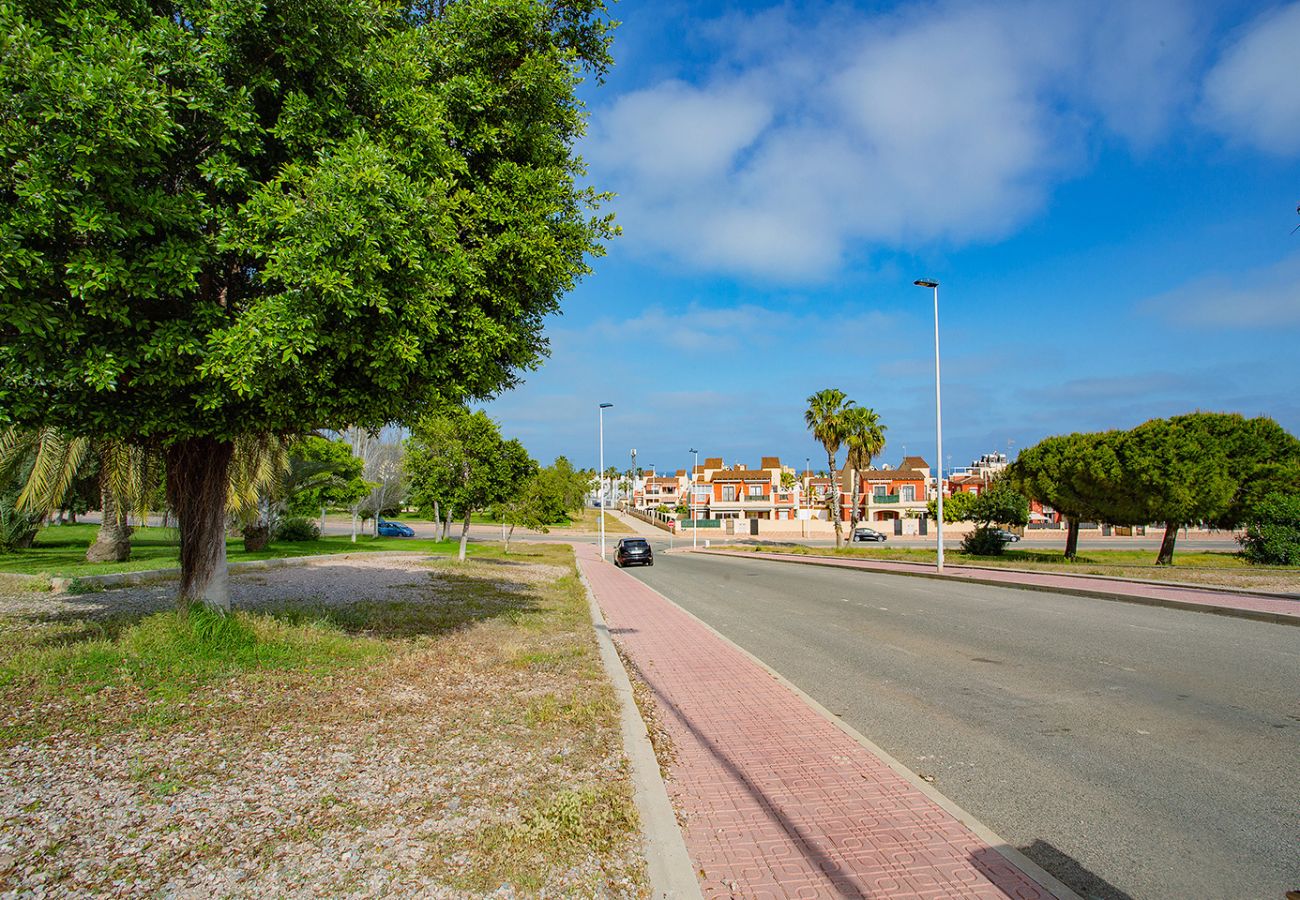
column 471, row 749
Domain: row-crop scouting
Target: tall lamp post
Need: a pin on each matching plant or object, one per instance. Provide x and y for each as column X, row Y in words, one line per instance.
column 601, row 414
column 938, row 413
column 695, row 522
column 631, row 500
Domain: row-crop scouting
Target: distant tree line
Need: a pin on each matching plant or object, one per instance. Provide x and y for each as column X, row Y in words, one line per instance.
column 1218, row 469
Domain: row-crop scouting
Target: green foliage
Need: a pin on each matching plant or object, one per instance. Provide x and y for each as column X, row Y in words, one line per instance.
column 955, row 508
column 983, row 541
column 284, row 216
column 999, row 504
column 1065, row 472
column 457, row 459
column 17, row 527
column 321, row 473
column 1272, row 535
column 295, row 529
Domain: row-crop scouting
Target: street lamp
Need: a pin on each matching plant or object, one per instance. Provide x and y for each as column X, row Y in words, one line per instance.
column 938, row 413
column 631, row 500
column 601, row 414
column 695, row 521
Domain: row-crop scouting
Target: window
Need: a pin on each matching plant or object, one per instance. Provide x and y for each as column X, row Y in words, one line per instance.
column 879, row 490
column 907, row 493
column 755, row 491
column 729, row 492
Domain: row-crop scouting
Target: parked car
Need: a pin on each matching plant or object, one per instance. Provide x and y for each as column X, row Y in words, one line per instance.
column 868, row 534
column 394, row 529
column 633, row 552
column 1008, row 537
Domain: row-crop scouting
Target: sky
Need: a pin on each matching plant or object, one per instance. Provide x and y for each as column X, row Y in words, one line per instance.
column 1106, row 192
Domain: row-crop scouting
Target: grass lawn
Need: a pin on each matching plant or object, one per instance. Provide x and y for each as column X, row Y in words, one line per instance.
column 1200, row 567
column 431, row 729
column 589, row 520
column 61, row 550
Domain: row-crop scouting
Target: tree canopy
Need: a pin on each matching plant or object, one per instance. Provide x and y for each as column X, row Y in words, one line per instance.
column 223, row 217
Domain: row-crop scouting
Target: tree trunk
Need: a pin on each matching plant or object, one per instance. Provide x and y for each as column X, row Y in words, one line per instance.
column 1071, row 537
column 464, row 537
column 113, row 540
column 835, row 494
column 197, row 471
column 508, row 536
column 446, row 525
column 1166, row 557
column 354, row 526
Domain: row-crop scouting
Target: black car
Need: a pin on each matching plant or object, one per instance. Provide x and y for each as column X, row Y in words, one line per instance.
column 1007, row 537
column 867, row 534
column 633, row 552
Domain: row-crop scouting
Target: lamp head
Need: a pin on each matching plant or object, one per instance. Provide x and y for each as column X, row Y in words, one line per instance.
column 926, row 283
column 606, row 405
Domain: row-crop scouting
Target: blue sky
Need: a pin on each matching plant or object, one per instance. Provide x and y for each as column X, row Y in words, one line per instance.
column 1105, row 190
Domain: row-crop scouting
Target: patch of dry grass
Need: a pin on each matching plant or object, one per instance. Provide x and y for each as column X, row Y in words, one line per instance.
column 471, row 743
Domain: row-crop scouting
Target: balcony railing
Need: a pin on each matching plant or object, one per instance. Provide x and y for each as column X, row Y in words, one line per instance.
column 884, row 498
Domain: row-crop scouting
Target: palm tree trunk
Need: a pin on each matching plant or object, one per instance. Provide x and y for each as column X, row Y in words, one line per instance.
column 113, row 540
column 835, row 493
column 1166, row 555
column 197, row 472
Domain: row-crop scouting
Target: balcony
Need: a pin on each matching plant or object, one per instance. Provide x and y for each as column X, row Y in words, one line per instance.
column 878, row 499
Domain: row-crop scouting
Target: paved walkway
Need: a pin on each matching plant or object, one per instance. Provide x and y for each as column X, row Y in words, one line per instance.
column 1263, row 606
column 778, row 802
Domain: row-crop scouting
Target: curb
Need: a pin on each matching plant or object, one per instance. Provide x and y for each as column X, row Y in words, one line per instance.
column 1211, row 609
column 671, row 872
column 980, row 830
column 123, row 579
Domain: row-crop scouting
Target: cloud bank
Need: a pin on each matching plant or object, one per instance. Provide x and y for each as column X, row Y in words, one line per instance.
column 815, row 133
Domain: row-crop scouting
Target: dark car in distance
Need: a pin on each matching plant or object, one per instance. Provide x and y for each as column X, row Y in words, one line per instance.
column 1007, row 537
column 633, row 552
column 867, row 534
column 394, row 529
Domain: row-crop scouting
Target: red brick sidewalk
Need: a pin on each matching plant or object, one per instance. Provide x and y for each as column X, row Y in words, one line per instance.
column 777, row 801
column 1261, row 606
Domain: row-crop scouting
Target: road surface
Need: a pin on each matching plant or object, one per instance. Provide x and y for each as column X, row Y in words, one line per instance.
column 1131, row 751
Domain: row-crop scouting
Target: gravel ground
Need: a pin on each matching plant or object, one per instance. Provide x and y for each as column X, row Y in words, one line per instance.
column 364, row 782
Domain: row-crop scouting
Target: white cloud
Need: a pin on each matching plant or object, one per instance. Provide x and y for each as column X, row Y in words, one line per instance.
column 1253, row 93
column 1267, row 297
column 816, row 134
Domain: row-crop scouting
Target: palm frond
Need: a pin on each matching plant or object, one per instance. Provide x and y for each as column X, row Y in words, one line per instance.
column 57, row 458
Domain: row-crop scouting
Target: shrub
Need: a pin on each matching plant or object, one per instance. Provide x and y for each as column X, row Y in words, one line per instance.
column 297, row 528
column 17, row 528
column 1272, row 535
column 982, row 542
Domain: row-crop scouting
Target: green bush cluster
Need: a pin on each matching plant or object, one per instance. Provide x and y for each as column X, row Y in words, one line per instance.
column 1272, row 535
column 297, row 528
column 983, row 542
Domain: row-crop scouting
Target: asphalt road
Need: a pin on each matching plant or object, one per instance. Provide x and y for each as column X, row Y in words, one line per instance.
column 1133, row 752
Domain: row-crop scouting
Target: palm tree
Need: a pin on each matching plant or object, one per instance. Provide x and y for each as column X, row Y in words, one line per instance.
column 865, row 437
column 825, row 419
column 129, row 476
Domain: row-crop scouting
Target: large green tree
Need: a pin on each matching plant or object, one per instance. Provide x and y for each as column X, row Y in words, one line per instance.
column 459, row 460
column 1066, row 473
column 222, row 217
column 1210, row 468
